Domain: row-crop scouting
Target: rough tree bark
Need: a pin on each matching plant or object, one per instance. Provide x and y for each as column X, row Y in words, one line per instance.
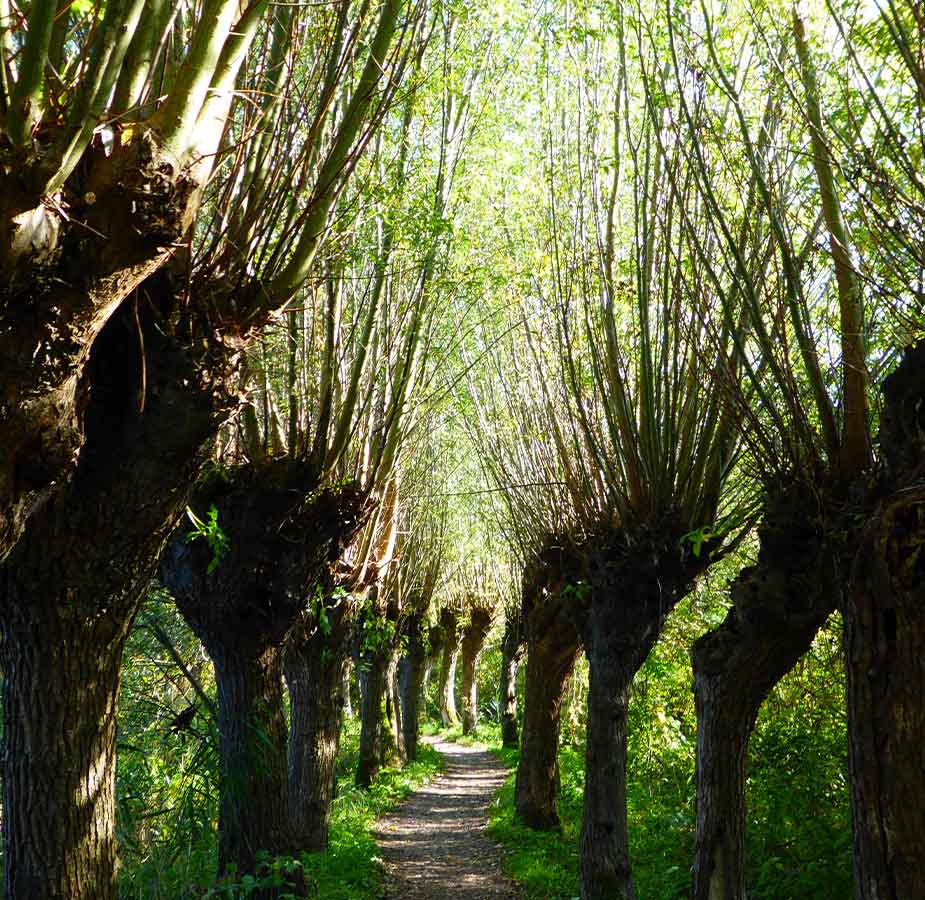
column 512, row 648
column 411, row 682
column 632, row 588
column 314, row 662
column 884, row 615
column 282, row 535
column 378, row 746
column 446, row 690
column 779, row 605
column 69, row 591
column 435, row 641
column 61, row 280
column 347, row 688
column 553, row 644
column 473, row 639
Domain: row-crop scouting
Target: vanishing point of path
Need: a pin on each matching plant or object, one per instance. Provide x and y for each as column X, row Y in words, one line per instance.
column 434, row 844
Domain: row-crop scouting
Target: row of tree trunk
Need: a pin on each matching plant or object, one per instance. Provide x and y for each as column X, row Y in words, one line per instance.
column 241, row 584
column 821, row 548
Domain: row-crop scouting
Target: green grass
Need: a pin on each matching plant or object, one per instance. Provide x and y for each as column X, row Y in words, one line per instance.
column 545, row 863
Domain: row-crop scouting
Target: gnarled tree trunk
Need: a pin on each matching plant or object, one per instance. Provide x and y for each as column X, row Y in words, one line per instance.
column 512, row 648
column 314, row 662
column 884, row 615
column 473, row 639
column 435, row 640
column 252, row 744
column 632, row 589
column 69, row 591
column 553, row 644
column 778, row 607
column 411, row 684
column 58, row 292
column 60, row 696
column 449, row 619
column 281, row 537
column 395, row 712
column 378, row 746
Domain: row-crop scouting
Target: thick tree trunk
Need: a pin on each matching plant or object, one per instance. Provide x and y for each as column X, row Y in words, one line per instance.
column 633, row 587
column 281, row 536
column 60, row 695
column 410, row 688
column 69, row 591
column 58, row 292
column 314, row 664
column 447, row 685
column 448, row 712
column 436, row 639
column 396, row 711
column 884, row 616
column 377, row 740
column 778, row 607
column 473, row 640
column 553, row 645
column 252, row 741
column 411, row 668
column 605, row 862
column 511, row 651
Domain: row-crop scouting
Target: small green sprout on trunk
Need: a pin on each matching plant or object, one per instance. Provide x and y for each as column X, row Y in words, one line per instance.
column 211, row 532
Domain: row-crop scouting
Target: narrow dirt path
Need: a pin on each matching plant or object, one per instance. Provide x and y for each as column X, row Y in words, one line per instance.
column 434, row 845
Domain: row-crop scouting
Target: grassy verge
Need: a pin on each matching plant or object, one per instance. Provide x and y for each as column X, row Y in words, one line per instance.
column 545, row 863
column 814, row 866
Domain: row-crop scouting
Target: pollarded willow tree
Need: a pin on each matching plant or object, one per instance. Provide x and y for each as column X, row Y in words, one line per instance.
column 417, row 573
column 619, row 328
column 350, row 371
column 154, row 215
column 787, row 276
column 517, row 449
column 512, row 650
column 481, row 591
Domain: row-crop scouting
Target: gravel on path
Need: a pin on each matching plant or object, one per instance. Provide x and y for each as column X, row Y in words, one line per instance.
column 434, row 844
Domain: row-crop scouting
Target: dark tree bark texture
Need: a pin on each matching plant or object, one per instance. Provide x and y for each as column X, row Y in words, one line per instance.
column 512, row 648
column 282, row 535
column 633, row 585
column 779, row 605
column 435, row 641
column 314, row 663
column 411, row 684
column 69, row 591
column 553, row 645
column 61, row 281
column 378, row 743
column 473, row 639
column 884, row 615
column 449, row 622
column 396, row 710
column 373, row 722
column 252, row 742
